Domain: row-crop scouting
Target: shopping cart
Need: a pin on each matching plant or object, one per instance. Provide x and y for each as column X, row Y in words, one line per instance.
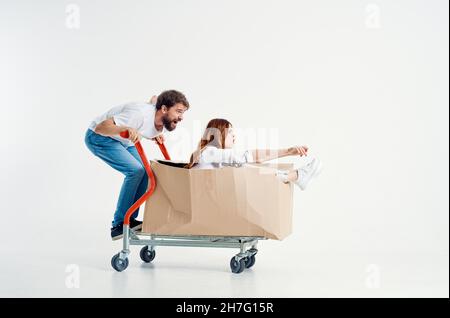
column 246, row 244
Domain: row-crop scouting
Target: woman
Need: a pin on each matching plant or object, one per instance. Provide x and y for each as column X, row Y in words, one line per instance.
column 216, row 149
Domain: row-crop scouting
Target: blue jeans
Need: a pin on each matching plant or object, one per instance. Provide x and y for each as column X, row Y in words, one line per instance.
column 126, row 161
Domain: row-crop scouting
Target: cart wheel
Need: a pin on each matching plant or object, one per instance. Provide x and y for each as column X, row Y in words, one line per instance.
column 119, row 264
column 237, row 267
column 250, row 261
column 147, row 255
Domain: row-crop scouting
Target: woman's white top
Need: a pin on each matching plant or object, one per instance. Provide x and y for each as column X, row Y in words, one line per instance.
column 213, row 158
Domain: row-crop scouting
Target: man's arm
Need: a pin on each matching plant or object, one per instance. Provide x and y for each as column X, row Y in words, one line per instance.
column 109, row 128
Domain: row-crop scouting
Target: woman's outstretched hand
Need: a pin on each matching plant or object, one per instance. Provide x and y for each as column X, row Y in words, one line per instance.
column 298, row 151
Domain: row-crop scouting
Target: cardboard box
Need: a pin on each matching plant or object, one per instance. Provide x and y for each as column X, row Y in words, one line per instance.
column 231, row 201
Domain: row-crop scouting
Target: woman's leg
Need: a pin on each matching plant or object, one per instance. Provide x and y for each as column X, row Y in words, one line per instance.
column 301, row 177
column 286, row 175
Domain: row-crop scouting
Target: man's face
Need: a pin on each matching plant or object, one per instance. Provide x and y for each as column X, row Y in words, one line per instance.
column 173, row 115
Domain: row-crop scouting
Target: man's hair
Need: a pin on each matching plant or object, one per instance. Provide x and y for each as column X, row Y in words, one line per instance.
column 170, row 98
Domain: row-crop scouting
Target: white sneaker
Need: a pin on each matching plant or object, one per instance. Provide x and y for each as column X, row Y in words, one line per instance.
column 307, row 172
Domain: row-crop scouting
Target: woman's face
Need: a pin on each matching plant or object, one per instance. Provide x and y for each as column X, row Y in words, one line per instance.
column 230, row 139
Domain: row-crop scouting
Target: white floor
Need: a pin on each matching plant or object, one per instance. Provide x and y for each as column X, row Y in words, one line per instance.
column 280, row 271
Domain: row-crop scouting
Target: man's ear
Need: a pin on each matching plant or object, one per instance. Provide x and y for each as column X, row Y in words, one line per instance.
column 164, row 109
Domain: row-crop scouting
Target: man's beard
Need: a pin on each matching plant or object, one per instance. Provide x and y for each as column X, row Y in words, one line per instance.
column 168, row 123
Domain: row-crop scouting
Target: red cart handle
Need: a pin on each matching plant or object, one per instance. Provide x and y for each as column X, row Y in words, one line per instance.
column 152, row 180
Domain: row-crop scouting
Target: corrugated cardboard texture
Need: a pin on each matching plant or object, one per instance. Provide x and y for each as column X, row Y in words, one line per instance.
column 245, row 201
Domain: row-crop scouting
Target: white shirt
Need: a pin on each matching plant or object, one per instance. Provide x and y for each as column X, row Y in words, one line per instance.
column 140, row 116
column 213, row 158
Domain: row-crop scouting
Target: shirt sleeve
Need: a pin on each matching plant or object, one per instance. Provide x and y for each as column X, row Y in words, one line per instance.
column 129, row 117
column 226, row 156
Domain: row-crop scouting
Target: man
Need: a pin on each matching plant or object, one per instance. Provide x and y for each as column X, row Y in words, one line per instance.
column 140, row 120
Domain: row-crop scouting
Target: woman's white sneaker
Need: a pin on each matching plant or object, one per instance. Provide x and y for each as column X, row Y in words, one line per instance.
column 307, row 172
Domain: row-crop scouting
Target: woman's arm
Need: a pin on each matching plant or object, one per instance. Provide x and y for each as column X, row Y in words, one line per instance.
column 230, row 156
column 262, row 155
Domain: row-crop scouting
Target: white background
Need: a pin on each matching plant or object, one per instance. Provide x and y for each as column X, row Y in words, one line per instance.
column 363, row 83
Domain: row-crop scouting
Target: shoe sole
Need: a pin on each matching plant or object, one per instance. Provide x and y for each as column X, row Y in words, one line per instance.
column 136, row 228
column 318, row 170
column 314, row 174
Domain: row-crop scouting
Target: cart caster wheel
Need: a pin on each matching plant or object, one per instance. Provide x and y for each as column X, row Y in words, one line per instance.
column 250, row 261
column 237, row 266
column 119, row 264
column 147, row 255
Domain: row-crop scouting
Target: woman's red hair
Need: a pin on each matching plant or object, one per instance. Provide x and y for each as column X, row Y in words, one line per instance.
column 215, row 134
